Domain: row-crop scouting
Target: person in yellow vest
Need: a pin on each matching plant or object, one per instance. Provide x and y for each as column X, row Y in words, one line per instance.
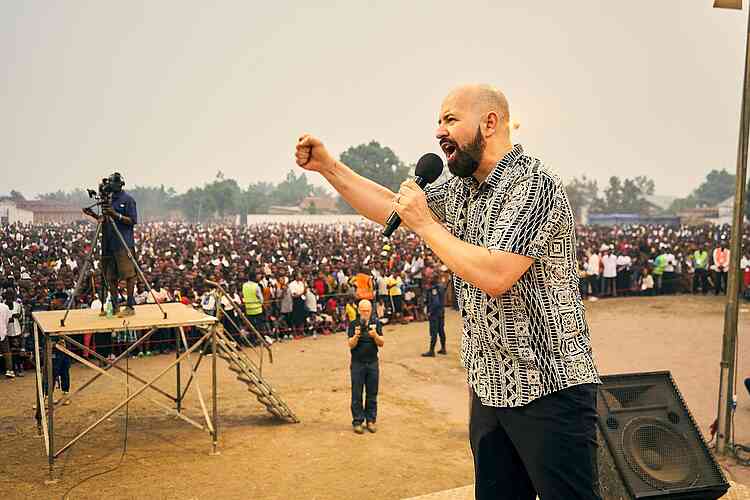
column 351, row 311
column 700, row 264
column 252, row 298
column 395, row 284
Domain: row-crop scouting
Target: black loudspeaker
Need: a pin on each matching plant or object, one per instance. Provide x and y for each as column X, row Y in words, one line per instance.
column 649, row 445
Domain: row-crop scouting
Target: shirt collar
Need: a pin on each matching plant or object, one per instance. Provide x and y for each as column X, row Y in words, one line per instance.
column 493, row 179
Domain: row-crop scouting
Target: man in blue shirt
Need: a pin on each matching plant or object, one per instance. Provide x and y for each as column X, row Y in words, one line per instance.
column 116, row 265
column 435, row 305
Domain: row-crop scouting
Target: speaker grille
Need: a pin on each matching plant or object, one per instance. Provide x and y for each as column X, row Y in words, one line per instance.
column 661, row 456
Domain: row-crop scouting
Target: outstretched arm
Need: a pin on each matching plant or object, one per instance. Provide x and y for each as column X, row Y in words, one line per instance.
column 368, row 198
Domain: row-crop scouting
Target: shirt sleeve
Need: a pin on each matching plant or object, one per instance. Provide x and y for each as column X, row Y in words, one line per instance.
column 132, row 211
column 529, row 216
column 436, row 198
column 259, row 294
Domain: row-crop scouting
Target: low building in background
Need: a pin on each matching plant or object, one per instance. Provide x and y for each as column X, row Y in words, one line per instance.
column 614, row 219
column 725, row 211
column 39, row 212
column 281, row 210
column 312, row 205
column 322, row 205
column 12, row 214
column 698, row 216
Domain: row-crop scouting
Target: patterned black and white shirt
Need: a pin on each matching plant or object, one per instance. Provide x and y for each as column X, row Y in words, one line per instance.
column 533, row 339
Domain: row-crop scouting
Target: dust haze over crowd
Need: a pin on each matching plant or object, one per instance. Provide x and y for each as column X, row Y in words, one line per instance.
column 170, row 92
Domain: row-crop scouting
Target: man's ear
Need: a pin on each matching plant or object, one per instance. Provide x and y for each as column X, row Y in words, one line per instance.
column 491, row 123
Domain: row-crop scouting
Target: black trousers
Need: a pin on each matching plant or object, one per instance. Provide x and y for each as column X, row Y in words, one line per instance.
column 700, row 280
column 721, row 282
column 365, row 376
column 596, row 283
column 437, row 329
column 547, row 448
column 60, row 371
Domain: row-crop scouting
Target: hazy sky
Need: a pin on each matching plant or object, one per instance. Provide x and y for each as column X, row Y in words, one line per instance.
column 172, row 91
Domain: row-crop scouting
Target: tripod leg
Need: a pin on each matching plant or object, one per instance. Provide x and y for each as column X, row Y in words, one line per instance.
column 82, row 274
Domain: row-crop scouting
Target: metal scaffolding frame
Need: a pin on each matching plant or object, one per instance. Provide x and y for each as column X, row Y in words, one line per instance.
column 86, row 321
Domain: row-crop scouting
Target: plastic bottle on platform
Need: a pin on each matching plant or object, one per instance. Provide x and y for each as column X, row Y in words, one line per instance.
column 108, row 308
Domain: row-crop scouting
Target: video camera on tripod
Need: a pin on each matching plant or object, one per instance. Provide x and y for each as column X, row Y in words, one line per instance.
column 103, row 195
column 108, row 187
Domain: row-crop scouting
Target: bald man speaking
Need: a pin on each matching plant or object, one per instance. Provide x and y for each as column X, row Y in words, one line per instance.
column 504, row 226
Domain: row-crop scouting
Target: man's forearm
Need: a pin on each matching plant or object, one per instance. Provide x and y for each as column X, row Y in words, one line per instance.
column 366, row 197
column 126, row 220
column 472, row 263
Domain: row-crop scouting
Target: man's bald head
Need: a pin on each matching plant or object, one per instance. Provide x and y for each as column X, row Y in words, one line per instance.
column 364, row 305
column 474, row 130
column 481, row 99
column 365, row 309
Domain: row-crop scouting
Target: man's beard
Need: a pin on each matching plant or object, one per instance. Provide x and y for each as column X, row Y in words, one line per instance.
column 466, row 160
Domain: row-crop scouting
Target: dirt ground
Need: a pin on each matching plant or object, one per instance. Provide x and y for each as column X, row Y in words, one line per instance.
column 421, row 445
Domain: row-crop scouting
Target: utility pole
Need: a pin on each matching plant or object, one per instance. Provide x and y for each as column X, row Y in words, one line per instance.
column 734, row 281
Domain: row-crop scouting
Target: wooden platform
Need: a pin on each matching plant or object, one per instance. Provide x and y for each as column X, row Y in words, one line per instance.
column 146, row 317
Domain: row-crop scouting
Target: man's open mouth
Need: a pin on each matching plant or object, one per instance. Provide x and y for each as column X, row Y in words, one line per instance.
column 449, row 148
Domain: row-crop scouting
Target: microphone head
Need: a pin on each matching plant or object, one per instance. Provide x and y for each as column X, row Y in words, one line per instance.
column 429, row 167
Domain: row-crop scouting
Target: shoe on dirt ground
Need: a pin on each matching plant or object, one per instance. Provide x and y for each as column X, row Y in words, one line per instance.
column 372, row 427
column 9, row 374
column 442, row 351
column 428, row 354
column 358, row 429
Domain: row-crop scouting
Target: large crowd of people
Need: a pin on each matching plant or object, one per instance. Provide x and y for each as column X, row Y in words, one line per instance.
column 309, row 276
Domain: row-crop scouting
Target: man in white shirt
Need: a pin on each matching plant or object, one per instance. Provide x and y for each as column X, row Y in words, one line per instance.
column 208, row 303
column 297, row 289
column 593, row 271
column 341, row 278
column 624, row 277
column 161, row 294
column 609, row 261
column 669, row 273
column 15, row 337
column 5, row 316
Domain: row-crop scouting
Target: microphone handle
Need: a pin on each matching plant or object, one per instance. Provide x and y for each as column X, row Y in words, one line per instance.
column 393, row 221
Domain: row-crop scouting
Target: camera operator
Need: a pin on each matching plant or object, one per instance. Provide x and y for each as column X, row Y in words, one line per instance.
column 365, row 337
column 116, row 265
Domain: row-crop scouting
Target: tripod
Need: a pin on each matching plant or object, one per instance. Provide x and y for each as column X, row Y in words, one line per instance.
column 105, row 219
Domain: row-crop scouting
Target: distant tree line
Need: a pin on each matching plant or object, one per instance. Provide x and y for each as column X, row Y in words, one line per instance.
column 225, row 197
column 629, row 195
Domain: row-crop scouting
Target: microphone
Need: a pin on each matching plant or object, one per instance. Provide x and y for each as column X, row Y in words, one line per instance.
column 429, row 167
